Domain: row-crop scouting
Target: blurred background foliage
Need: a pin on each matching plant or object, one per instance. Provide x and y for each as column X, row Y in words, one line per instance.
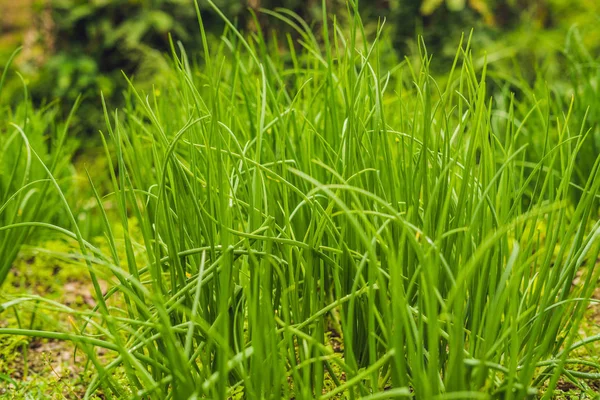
column 73, row 47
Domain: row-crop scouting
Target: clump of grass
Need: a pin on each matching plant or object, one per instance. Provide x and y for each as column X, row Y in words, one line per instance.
column 569, row 82
column 285, row 198
column 31, row 143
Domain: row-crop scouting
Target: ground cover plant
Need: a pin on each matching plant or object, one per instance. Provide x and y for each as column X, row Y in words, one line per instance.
column 316, row 222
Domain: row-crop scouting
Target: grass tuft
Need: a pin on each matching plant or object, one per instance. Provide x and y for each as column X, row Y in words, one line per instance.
column 315, row 223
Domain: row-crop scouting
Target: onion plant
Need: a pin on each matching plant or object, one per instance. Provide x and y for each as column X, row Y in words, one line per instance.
column 29, row 140
column 312, row 223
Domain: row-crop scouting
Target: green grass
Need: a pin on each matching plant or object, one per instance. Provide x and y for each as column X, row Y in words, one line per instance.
column 270, row 201
column 31, row 144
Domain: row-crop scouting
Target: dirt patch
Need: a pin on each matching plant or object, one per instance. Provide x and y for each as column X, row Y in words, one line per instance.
column 44, row 368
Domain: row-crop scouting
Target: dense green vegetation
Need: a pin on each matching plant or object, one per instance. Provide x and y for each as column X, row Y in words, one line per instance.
column 81, row 47
column 306, row 215
column 32, row 148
